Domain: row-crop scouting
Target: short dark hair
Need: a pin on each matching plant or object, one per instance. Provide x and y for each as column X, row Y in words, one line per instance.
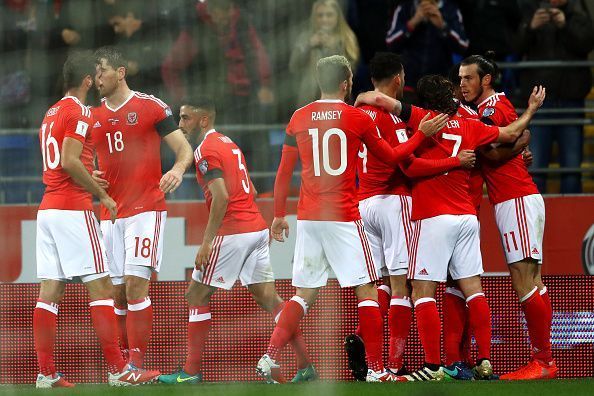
column 331, row 71
column 385, row 65
column 485, row 65
column 200, row 102
column 114, row 57
column 454, row 74
column 436, row 93
column 78, row 65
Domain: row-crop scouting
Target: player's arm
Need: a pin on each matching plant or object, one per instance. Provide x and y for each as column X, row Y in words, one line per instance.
column 379, row 99
column 415, row 167
column 512, row 132
column 394, row 155
column 502, row 153
column 218, row 208
column 281, row 188
column 178, row 143
column 71, row 163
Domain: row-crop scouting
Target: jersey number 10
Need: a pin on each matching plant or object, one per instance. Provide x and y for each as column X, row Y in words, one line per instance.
column 315, row 141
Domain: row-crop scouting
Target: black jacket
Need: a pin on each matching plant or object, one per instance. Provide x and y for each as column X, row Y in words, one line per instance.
column 572, row 42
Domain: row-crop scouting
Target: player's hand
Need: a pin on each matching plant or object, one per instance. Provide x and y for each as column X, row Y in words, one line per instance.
column 96, row 175
column 202, row 256
column 433, row 14
column 558, row 17
column 527, row 156
column 279, row 226
column 375, row 98
column 170, row 181
column 111, row 207
column 541, row 17
column 536, row 98
column 467, row 159
column 430, row 127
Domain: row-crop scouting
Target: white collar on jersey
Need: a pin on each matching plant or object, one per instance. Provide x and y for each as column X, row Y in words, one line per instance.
column 209, row 132
column 132, row 93
column 329, row 101
column 496, row 94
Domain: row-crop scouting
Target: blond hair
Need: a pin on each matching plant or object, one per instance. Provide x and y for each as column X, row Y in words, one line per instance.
column 343, row 30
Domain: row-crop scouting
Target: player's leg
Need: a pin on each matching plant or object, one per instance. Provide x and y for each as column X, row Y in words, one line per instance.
column 44, row 332
column 144, row 249
column 104, row 319
column 466, row 266
column 266, row 296
column 115, row 249
column 399, row 231
column 521, row 224
column 432, row 246
column 349, row 255
column 307, row 280
column 455, row 318
column 51, row 292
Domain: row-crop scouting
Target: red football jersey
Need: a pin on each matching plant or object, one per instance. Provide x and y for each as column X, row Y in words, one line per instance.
column 476, row 176
column 128, row 150
column 510, row 179
column 217, row 156
column 375, row 176
column 448, row 193
column 328, row 134
column 67, row 118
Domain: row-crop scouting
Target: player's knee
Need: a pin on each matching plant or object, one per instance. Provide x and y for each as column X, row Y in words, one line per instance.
column 198, row 294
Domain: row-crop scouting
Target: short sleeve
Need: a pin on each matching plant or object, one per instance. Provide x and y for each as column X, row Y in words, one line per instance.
column 492, row 116
column 78, row 123
column 209, row 164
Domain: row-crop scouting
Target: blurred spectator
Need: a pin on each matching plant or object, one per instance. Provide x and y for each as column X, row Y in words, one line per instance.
column 426, row 33
column 558, row 30
column 369, row 20
column 491, row 26
column 221, row 54
column 328, row 34
column 17, row 22
column 138, row 36
column 80, row 24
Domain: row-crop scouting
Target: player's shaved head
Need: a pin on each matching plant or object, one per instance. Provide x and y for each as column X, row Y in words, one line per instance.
column 384, row 66
column 331, row 72
column 77, row 67
column 113, row 57
column 437, row 93
column 202, row 102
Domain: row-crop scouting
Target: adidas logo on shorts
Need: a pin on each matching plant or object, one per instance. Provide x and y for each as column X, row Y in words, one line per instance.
column 535, row 251
column 220, row 279
column 423, row 272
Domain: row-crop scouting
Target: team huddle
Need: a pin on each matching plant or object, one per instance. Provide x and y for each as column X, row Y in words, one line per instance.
column 389, row 200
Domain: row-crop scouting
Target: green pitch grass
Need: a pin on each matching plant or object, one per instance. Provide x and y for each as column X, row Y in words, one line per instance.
column 573, row 387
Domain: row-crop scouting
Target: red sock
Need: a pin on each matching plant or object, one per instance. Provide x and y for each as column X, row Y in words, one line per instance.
column 384, row 295
column 121, row 314
column 536, row 313
column 104, row 322
column 287, row 325
column 399, row 320
column 44, row 333
column 139, row 323
column 199, row 324
column 372, row 332
column 454, row 320
column 429, row 327
column 479, row 316
column 297, row 341
column 544, row 294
